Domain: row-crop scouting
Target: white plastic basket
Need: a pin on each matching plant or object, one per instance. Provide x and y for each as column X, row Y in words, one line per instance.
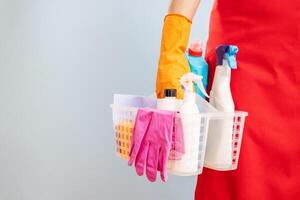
column 123, row 123
column 191, row 162
column 238, row 121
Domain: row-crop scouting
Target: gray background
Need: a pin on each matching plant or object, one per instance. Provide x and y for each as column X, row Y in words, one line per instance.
column 60, row 63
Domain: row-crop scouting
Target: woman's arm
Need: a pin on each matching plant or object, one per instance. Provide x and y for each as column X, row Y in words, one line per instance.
column 175, row 36
column 186, row 8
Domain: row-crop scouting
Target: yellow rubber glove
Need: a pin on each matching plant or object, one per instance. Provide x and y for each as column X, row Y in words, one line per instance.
column 172, row 62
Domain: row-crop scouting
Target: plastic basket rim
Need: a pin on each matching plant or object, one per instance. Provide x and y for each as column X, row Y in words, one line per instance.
column 212, row 115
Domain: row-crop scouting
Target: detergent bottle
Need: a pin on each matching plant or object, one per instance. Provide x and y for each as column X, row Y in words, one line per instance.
column 197, row 63
column 219, row 140
column 191, row 123
column 169, row 102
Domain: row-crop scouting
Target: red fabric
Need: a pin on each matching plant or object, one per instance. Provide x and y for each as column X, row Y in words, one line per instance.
column 267, row 85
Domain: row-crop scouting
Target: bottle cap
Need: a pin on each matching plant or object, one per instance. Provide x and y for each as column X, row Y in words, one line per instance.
column 195, row 48
column 170, row 92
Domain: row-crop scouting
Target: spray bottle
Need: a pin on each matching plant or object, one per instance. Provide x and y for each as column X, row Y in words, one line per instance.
column 189, row 105
column 197, row 63
column 191, row 123
column 219, row 142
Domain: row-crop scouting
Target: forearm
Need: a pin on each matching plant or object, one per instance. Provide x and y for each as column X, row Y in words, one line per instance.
column 186, row 8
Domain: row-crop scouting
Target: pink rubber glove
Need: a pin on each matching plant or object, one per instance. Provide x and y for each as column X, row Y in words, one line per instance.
column 152, row 136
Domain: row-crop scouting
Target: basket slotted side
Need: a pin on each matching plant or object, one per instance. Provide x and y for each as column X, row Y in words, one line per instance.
column 123, row 122
column 238, row 118
column 237, row 135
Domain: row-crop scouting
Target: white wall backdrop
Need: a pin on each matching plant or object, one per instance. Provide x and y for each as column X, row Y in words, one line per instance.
column 60, row 63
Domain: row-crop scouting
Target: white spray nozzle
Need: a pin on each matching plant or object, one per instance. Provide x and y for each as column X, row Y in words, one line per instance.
column 187, row 82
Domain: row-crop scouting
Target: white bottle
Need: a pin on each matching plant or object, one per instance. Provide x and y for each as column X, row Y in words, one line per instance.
column 219, row 140
column 188, row 164
column 169, row 102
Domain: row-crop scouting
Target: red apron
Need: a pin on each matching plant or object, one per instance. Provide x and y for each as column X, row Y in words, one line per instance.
column 267, row 85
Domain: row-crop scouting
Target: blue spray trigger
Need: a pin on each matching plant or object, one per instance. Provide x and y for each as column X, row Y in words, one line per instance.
column 227, row 52
column 230, row 56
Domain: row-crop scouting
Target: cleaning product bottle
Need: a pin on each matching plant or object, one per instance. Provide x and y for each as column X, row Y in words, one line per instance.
column 189, row 105
column 197, row 63
column 219, row 142
column 169, row 102
column 191, row 123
